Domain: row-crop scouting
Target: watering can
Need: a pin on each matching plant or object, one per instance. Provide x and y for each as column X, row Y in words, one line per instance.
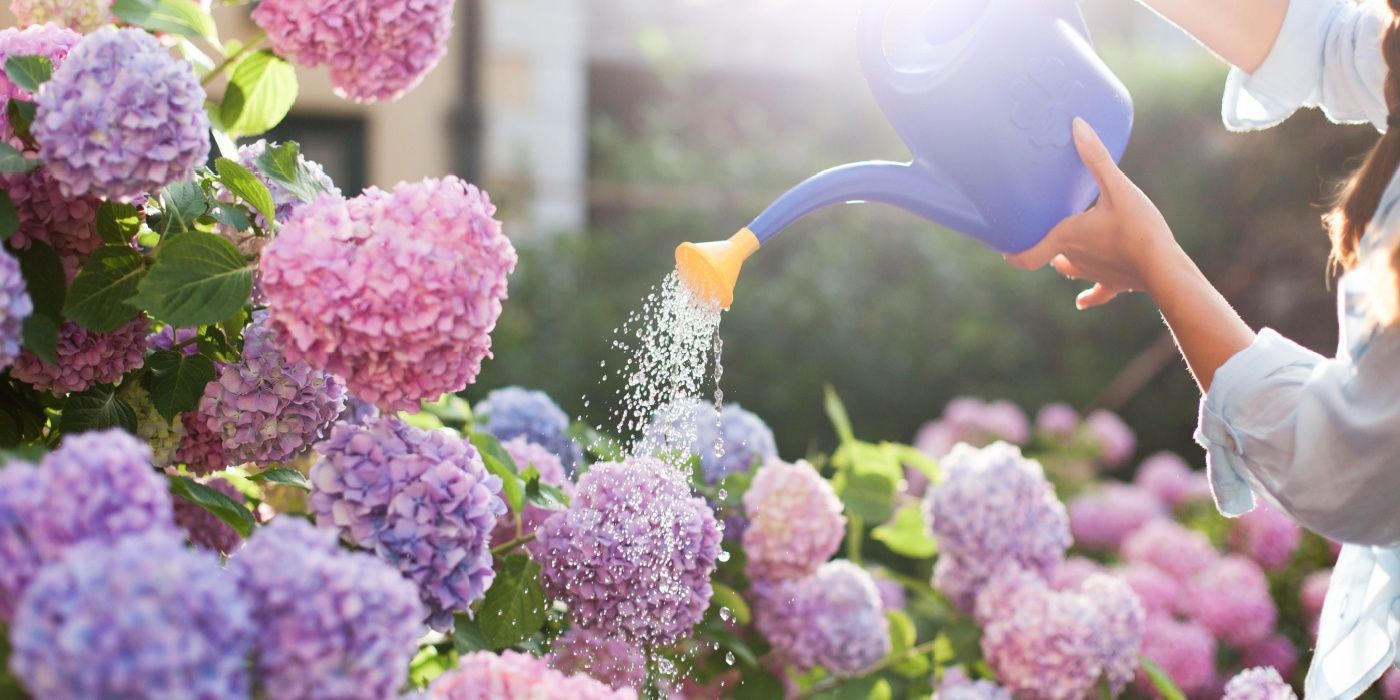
column 983, row 95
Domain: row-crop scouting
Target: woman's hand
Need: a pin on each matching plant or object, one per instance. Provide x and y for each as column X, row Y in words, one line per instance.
column 1116, row 244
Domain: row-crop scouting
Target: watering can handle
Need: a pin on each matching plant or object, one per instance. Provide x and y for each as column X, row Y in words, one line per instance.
column 870, row 37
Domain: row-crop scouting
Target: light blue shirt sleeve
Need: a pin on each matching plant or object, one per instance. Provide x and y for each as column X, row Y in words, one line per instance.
column 1327, row 55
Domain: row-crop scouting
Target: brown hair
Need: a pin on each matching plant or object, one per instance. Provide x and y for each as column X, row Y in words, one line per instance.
column 1360, row 197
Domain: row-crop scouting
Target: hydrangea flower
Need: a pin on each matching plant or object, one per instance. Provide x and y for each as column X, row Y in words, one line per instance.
column 1119, row 632
column 80, row 15
column 1231, row 599
column 1390, row 684
column 1115, row 439
column 169, row 336
column 515, row 411
column 397, row 292
column 956, row 685
column 1057, row 420
column 1101, row 519
column 482, row 675
column 1171, row 547
column 633, row 553
column 202, row 449
column 96, row 486
column 994, row 507
column 1184, row 650
column 15, row 306
column 1158, row 590
column 143, row 130
column 1258, row 684
column 1313, row 593
column 1073, row 572
column 1267, row 535
column 1167, row 476
column 616, row 662
column 833, row 619
column 332, row 624
column 1274, row 651
column 892, row 596
column 974, row 422
column 268, row 407
column 795, row 521
column 727, row 441
column 105, row 623
column 527, row 454
column 85, row 358
column 162, row 436
column 420, row 499
column 203, row 527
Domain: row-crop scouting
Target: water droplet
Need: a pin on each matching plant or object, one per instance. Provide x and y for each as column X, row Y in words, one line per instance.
column 729, row 658
column 725, row 615
column 722, row 494
column 723, row 556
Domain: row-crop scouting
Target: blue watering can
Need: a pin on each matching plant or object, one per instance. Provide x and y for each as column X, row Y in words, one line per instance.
column 983, row 97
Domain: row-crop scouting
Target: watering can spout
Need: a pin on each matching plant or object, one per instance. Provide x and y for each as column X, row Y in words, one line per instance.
column 712, row 269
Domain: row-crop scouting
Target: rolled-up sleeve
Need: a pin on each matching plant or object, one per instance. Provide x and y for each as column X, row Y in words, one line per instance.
column 1318, row 437
column 1328, row 55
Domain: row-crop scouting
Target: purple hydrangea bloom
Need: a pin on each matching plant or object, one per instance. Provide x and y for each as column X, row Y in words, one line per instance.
column 892, row 596
column 203, row 527
column 1057, row 420
column 1185, row 651
column 1167, row 476
column 169, row 336
column 95, row 486
column 1258, row 684
column 527, row 454
column 795, row 521
column 956, row 685
column 616, row 662
column 1158, row 590
column 633, row 554
column 1101, row 519
column 1231, row 599
column 994, row 507
column 1120, row 628
column 727, row 441
column 85, row 359
column 202, row 449
column 420, row 499
column 1267, row 535
column 1115, row 439
column 80, row 15
column 833, row 619
column 283, row 200
column 975, row 422
column 397, row 292
column 1171, row 547
column 267, row 407
column 513, row 411
column 1274, row 651
column 485, row 676
column 15, row 306
column 142, row 617
column 143, row 130
column 332, row 624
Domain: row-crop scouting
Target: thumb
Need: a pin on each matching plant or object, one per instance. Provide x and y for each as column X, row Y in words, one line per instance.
column 1096, row 157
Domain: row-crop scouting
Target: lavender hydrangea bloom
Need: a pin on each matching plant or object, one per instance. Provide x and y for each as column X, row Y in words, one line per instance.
column 80, row 15
column 143, row 130
column 420, row 499
column 633, row 553
column 169, row 336
column 1267, row 535
column 163, row 437
column 267, row 407
column 1185, row 651
column 332, row 624
column 397, row 292
column 1101, row 519
column 616, row 662
column 15, row 306
column 513, row 411
column 727, row 441
column 956, row 685
column 974, row 422
column 485, row 676
column 1171, row 547
column 1115, row 439
column 527, row 454
column 1057, row 420
column 1231, row 599
column 833, row 619
column 1258, row 684
column 994, row 507
column 106, row 623
column 205, row 529
column 85, row 359
column 1167, row 476
column 95, row 486
column 1120, row 628
column 795, row 521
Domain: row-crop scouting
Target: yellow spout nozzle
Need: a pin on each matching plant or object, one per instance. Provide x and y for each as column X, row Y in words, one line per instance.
column 712, row 269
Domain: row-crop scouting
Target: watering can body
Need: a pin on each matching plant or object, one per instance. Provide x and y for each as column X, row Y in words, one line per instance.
column 983, row 95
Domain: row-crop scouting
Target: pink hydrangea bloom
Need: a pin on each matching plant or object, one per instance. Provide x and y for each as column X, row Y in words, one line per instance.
column 975, row 422
column 1058, row 420
column 80, row 15
column 1171, row 547
column 1274, row 651
column 1185, row 651
column 1258, row 684
column 397, row 292
column 1101, row 519
column 1231, row 599
column 1314, row 592
column 527, row 454
column 1167, row 476
column 485, row 676
column 1390, row 684
column 1115, row 439
column 1073, row 572
column 795, row 521
column 616, row 662
column 1267, row 535
column 1158, row 590
column 85, row 358
column 374, row 49
column 957, row 685
column 833, row 619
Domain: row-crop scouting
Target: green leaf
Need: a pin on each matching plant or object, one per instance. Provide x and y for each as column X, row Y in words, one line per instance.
column 428, row 664
column 40, row 336
column 918, row 460
column 281, row 475
column 177, row 381
column 232, row 217
column 198, row 279
column 98, row 298
column 97, row 408
column 499, row 463
column 836, row 411
column 545, row 496
column 513, row 608
column 906, row 534
column 223, row 507
column 758, row 684
column 902, row 632
column 118, row 223
column 467, row 636
column 242, row 182
column 29, row 72
column 282, row 164
column 12, row 161
column 728, row 598
column 261, row 91
column 21, row 116
column 9, row 218
column 168, row 16
column 181, row 203
column 1164, row 684
column 22, row 416
column 43, row 278
column 867, row 495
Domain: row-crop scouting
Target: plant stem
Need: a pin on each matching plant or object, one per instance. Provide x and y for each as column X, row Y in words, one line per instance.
column 177, row 347
column 252, row 45
column 506, row 547
column 831, row 682
column 855, row 530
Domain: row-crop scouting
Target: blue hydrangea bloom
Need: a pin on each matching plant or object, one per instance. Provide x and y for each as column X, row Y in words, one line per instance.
column 514, row 411
column 728, row 441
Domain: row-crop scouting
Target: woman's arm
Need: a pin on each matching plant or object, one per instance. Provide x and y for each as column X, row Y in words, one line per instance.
column 1240, row 31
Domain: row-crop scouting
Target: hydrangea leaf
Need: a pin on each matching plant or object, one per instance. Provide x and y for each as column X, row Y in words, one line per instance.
column 198, row 279
column 466, row 635
column 866, row 495
column 98, row 298
column 97, row 408
column 177, row 381
column 223, row 507
column 1161, row 681
column 540, row 494
column 261, row 91
column 118, row 223
column 242, row 182
column 168, row 16
column 21, row 116
column 498, row 462
column 513, row 608
column 29, row 72
column 283, row 165
column 12, row 161
column 232, row 217
column 758, row 684
column 9, row 218
column 727, row 598
column 181, row 203
column 907, row 534
column 40, row 336
column 22, row 421
column 281, row 475
column 44, row 280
